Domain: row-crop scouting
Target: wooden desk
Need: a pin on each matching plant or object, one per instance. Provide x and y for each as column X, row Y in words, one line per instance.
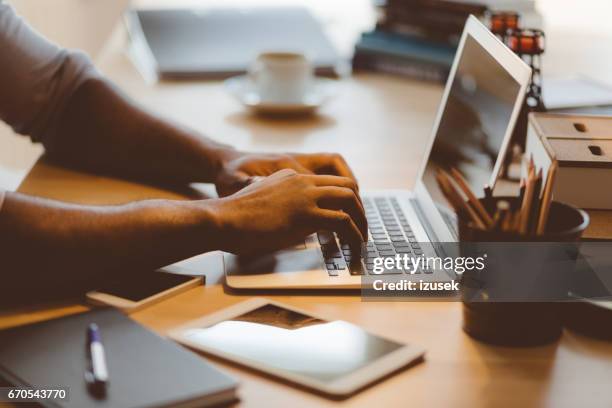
column 373, row 117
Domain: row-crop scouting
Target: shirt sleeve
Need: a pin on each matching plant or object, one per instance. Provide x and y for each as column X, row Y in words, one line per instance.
column 37, row 78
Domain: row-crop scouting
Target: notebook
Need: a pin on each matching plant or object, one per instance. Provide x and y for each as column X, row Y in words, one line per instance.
column 145, row 369
column 225, row 41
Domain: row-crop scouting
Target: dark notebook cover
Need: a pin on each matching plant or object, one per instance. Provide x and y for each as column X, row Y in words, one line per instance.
column 145, row 369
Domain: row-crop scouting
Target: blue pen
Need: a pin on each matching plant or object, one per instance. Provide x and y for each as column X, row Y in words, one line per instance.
column 97, row 374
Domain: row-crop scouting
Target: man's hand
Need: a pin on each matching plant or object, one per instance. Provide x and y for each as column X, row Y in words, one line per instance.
column 239, row 169
column 286, row 207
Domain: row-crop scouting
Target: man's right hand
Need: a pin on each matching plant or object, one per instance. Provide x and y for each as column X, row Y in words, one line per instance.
column 284, row 208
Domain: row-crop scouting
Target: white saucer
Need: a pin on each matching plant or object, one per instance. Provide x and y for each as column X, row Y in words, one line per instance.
column 243, row 89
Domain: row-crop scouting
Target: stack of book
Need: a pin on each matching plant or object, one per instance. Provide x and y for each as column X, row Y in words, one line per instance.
column 441, row 20
column 405, row 55
column 415, row 38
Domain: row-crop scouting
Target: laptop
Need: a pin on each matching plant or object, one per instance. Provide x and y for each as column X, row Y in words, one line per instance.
column 480, row 105
column 221, row 42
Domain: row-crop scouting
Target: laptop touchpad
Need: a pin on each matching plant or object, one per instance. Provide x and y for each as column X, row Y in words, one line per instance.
column 278, row 262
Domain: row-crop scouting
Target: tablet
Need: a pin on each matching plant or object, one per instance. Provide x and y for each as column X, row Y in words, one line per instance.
column 333, row 357
column 135, row 292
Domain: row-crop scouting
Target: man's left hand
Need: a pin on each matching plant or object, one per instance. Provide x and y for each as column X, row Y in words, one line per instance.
column 239, row 169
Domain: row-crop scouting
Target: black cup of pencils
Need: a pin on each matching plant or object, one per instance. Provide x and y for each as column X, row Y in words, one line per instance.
column 519, row 313
column 564, row 223
column 531, row 242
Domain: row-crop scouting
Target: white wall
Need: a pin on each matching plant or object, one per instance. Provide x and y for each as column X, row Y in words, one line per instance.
column 580, row 38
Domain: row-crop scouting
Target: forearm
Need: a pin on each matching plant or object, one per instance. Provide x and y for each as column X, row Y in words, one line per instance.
column 71, row 248
column 101, row 130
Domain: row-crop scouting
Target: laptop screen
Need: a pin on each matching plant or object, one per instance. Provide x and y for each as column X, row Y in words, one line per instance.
column 474, row 121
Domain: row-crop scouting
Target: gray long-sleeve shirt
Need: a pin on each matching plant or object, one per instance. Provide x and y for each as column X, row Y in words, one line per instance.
column 37, row 79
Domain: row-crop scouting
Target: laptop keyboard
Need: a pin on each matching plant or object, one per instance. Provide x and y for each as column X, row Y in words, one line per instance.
column 389, row 234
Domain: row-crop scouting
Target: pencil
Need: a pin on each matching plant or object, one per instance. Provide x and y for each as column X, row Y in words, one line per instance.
column 497, row 221
column 501, row 214
column 527, row 201
column 458, row 203
column 482, row 212
column 522, row 190
column 507, row 221
column 516, row 221
column 546, row 199
column 535, row 205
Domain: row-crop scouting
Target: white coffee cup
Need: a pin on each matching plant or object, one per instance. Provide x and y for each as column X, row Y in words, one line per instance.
column 281, row 77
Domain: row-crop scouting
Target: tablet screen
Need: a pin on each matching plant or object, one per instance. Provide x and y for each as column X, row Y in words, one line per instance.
column 293, row 342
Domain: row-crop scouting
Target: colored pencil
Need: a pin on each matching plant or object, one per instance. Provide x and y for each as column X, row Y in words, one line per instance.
column 462, row 183
column 546, row 199
column 535, row 204
column 522, row 191
column 527, row 201
column 501, row 214
column 535, row 197
column 458, row 203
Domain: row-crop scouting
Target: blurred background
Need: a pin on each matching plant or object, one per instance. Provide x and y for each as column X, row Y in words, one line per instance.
column 576, row 32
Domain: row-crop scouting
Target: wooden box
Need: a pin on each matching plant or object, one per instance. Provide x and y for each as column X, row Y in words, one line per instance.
column 582, row 147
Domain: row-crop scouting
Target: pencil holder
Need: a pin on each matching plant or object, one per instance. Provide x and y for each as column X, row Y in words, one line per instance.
column 515, row 300
column 565, row 224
